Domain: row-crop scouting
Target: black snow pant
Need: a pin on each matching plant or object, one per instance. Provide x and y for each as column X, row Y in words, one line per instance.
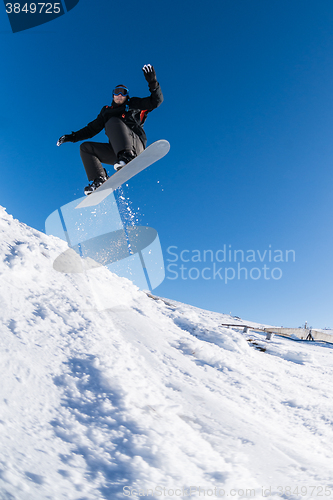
column 121, row 138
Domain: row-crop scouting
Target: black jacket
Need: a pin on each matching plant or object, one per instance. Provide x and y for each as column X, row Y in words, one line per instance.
column 133, row 112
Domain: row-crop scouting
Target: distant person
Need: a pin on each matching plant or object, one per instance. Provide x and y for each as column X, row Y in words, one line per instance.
column 123, row 122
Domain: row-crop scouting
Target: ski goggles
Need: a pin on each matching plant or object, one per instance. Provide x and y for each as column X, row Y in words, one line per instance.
column 120, row 91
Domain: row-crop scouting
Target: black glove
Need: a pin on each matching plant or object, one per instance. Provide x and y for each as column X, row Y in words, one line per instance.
column 150, row 76
column 66, row 138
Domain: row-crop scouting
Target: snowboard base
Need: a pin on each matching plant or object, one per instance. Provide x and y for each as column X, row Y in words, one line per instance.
column 150, row 155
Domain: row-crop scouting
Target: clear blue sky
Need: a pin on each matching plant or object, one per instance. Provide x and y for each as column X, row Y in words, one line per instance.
column 248, row 111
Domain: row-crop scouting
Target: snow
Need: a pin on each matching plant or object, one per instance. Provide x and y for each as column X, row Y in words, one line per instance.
column 108, row 394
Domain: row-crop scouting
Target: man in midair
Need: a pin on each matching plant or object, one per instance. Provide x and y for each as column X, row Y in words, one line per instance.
column 123, row 123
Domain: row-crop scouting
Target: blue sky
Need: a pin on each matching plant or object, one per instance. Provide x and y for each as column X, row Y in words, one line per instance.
column 247, row 111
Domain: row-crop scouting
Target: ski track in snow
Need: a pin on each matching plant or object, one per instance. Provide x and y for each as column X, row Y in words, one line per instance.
column 104, row 388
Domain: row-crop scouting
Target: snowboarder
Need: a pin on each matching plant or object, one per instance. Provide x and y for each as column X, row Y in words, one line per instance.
column 123, row 124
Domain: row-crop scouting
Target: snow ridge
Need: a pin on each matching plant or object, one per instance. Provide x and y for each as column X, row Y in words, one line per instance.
column 107, row 393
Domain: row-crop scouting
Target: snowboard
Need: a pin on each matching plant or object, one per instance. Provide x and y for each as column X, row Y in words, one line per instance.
column 150, row 155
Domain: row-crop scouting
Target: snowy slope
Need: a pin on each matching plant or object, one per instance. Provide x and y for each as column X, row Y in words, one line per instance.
column 106, row 393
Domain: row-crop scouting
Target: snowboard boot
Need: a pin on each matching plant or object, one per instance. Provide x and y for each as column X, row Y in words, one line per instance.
column 94, row 185
column 124, row 157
